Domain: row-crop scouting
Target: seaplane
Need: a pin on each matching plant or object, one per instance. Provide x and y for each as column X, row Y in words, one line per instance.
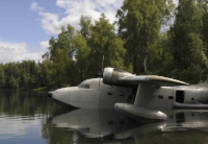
column 146, row 96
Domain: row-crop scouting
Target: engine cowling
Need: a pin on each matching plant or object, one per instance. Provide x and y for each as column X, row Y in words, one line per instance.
column 111, row 76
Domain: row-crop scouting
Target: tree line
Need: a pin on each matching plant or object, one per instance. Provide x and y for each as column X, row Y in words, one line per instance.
column 149, row 37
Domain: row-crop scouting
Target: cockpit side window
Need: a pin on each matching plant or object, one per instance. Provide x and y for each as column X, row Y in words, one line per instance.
column 87, row 86
column 90, row 84
column 82, row 85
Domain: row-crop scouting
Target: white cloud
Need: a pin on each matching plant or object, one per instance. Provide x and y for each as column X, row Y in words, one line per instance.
column 44, row 45
column 52, row 23
column 12, row 52
column 35, row 7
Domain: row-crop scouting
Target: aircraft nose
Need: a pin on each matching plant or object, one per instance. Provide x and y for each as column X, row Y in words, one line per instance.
column 50, row 94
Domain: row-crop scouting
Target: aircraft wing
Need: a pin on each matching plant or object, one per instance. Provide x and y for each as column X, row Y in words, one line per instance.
column 146, row 86
column 150, row 79
column 115, row 76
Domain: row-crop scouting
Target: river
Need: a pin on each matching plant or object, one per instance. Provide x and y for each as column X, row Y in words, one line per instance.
column 33, row 118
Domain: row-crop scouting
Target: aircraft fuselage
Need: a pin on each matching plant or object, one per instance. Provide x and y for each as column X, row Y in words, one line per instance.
column 93, row 93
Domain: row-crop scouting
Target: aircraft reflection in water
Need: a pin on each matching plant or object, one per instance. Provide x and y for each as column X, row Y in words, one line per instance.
column 112, row 126
column 144, row 96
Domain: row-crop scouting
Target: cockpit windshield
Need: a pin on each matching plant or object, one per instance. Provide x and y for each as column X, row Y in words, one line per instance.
column 90, row 83
column 84, row 85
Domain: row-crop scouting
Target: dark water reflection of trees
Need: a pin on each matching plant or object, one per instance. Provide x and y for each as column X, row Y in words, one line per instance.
column 56, row 135
column 25, row 103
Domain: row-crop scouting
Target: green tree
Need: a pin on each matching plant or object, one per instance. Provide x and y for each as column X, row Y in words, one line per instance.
column 117, row 54
column 86, row 24
column 139, row 24
column 13, row 83
column 188, row 49
column 81, row 55
column 2, row 76
column 203, row 4
column 47, row 68
column 61, row 53
column 105, row 46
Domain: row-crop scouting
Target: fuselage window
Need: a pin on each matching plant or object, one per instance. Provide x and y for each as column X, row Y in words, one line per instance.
column 122, row 94
column 110, row 93
column 160, row 97
column 122, row 121
column 87, row 86
column 170, row 97
column 110, row 123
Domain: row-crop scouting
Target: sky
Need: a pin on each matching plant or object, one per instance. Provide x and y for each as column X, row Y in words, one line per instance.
column 26, row 26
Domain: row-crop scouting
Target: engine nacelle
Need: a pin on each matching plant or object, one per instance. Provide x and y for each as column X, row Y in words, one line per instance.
column 111, row 76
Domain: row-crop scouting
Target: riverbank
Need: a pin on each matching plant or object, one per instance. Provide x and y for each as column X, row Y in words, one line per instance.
column 44, row 89
column 40, row 89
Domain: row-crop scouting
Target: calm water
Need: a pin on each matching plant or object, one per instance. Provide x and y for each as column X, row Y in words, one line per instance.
column 32, row 118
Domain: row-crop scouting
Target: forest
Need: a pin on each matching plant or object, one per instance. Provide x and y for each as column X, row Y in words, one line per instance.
column 149, row 37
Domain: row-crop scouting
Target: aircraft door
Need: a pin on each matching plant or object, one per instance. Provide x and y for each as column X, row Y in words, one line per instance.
column 131, row 97
column 179, row 96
